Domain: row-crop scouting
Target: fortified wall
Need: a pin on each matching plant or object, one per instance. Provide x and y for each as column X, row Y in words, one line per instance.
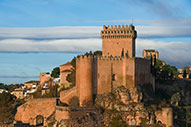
column 35, row 108
column 98, row 75
column 117, row 66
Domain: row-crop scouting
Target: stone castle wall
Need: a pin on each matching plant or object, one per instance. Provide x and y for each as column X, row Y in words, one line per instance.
column 28, row 112
column 108, row 68
column 84, row 79
column 67, row 95
column 142, row 71
column 62, row 113
column 99, row 75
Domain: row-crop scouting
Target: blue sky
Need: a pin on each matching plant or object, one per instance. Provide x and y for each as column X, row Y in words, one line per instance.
column 55, row 28
column 44, row 13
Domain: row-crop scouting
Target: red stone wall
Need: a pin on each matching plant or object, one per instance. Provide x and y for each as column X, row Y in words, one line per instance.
column 129, row 64
column 84, row 79
column 62, row 113
column 129, row 72
column 142, row 71
column 28, row 112
column 106, row 67
column 114, row 46
column 66, row 95
column 65, row 69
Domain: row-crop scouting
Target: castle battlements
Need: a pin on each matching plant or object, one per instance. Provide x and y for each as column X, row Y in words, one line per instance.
column 118, row 31
column 104, row 58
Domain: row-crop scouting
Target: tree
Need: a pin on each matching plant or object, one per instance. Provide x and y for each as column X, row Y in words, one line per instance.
column 8, row 105
column 165, row 71
column 72, row 77
column 52, row 93
column 55, row 72
column 117, row 121
column 184, row 74
column 10, row 87
column 98, row 53
column 175, row 99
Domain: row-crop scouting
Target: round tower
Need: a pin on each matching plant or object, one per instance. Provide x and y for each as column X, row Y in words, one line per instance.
column 84, row 82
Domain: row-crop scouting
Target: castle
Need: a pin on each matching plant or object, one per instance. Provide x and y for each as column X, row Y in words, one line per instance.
column 97, row 75
column 117, row 66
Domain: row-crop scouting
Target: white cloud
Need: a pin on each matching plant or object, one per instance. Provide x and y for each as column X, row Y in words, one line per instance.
column 146, row 28
column 51, row 32
column 164, row 31
column 176, row 53
column 63, row 45
column 86, row 38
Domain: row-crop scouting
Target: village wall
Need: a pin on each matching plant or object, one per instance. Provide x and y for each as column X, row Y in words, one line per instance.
column 28, row 112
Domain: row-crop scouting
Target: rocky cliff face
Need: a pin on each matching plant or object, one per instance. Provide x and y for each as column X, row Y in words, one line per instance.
column 122, row 107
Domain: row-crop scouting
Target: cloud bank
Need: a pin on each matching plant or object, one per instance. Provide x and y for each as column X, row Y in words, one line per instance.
column 86, row 38
column 145, row 28
column 176, row 53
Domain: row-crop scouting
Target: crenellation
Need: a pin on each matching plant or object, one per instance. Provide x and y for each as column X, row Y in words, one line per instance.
column 118, row 32
column 111, row 27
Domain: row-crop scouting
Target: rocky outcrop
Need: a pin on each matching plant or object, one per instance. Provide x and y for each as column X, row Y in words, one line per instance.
column 127, row 104
column 121, row 107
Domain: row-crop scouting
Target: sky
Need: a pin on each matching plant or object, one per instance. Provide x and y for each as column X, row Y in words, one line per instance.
column 47, row 30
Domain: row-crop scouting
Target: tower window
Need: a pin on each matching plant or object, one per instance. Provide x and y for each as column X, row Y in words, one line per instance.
column 113, row 77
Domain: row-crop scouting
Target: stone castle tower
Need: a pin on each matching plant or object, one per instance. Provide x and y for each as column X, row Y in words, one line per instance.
column 117, row 66
column 117, row 41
